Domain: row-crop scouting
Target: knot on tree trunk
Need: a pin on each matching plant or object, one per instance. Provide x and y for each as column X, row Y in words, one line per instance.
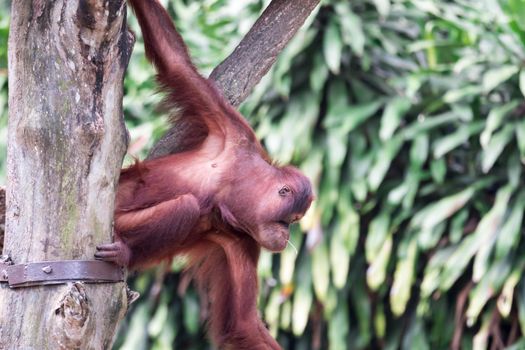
column 72, row 317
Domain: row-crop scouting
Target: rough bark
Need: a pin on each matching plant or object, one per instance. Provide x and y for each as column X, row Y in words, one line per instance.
column 238, row 74
column 2, row 217
column 66, row 142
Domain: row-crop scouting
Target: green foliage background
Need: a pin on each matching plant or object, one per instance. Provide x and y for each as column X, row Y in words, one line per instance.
column 408, row 116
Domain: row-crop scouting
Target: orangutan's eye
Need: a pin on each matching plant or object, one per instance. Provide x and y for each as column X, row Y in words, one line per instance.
column 284, row 191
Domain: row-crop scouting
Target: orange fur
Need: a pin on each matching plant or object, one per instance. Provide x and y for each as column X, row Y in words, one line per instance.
column 218, row 198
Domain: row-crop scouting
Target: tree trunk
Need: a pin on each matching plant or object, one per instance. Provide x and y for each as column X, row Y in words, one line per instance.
column 66, row 142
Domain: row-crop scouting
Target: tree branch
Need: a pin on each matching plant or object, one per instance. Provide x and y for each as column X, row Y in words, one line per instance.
column 238, row 74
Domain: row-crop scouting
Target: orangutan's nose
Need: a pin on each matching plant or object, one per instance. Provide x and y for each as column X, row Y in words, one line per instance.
column 296, row 217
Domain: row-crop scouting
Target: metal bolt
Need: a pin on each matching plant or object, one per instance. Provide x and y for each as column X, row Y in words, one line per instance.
column 47, row 269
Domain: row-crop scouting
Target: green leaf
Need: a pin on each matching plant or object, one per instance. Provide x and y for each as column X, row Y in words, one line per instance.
column 456, row 95
column 359, row 295
column 358, row 166
column 438, row 170
column 319, row 73
column 264, row 267
column 496, row 76
column 330, row 304
column 359, row 189
column 396, row 195
column 522, row 82
column 382, row 162
column 377, row 234
column 338, row 327
column 165, row 339
column 403, row 279
column 419, row 151
column 428, row 238
column 337, row 145
column 510, row 232
column 332, row 47
column 286, row 315
column 505, row 299
column 376, row 272
column 520, row 137
column 394, row 111
column 485, row 231
column 431, row 279
column 517, row 11
column 518, row 345
column 426, row 124
column 514, row 170
column 137, row 330
column 288, row 258
column 302, row 298
column 465, row 62
column 520, row 301
column 485, row 289
column 351, row 28
column 495, row 147
column 271, row 312
column 495, row 120
column 435, row 213
column 191, row 313
column 413, row 180
column 344, row 240
column 430, row 39
column 383, row 7
column 457, row 225
column 455, row 139
column 427, row 6
column 158, row 320
column 416, row 337
column 480, row 340
column 321, row 271
column 341, row 116
column 380, row 321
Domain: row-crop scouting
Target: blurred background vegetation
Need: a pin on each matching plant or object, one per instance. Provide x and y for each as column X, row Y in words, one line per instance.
column 408, row 116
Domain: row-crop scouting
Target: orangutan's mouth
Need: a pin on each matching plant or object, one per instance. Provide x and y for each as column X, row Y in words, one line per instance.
column 284, row 224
